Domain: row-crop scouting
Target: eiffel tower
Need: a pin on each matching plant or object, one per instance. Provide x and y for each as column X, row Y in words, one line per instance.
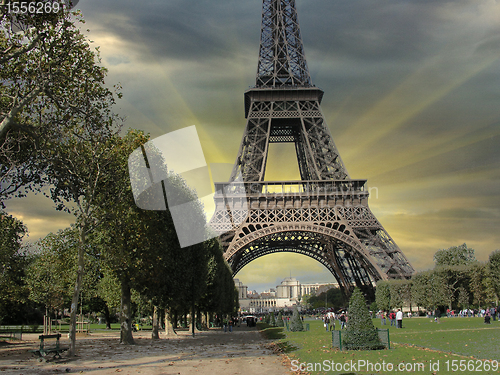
column 324, row 215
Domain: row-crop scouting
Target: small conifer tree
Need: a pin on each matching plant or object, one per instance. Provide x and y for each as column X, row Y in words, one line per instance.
column 361, row 333
column 280, row 320
column 296, row 322
column 266, row 319
column 272, row 320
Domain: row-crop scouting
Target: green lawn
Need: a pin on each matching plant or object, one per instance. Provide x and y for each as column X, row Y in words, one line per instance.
column 460, row 344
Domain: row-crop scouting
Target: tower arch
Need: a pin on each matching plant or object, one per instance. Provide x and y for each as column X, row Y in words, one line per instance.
column 324, row 215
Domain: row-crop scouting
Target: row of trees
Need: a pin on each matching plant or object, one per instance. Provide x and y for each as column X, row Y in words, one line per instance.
column 332, row 298
column 60, row 136
column 457, row 281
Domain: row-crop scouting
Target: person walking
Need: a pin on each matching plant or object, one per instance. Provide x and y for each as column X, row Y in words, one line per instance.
column 399, row 319
column 332, row 322
column 342, row 321
column 437, row 315
column 382, row 318
column 392, row 318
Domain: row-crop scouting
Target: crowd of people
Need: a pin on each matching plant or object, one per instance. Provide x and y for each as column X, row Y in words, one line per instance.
column 330, row 317
column 395, row 318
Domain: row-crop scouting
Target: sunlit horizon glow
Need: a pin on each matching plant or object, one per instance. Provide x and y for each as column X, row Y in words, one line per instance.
column 411, row 100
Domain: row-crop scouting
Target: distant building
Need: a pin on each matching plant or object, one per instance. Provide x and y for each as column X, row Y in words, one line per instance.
column 242, row 289
column 316, row 288
column 289, row 288
column 285, row 296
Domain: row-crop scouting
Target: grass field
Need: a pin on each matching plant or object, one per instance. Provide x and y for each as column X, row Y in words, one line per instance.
column 455, row 346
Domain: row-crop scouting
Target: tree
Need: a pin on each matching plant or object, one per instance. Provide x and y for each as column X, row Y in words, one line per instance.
column 272, row 319
column 454, row 256
column 494, row 272
column 296, row 322
column 420, row 289
column 49, row 78
column 383, row 296
column 53, row 90
column 13, row 262
column 218, row 271
column 279, row 321
column 50, row 275
column 477, row 274
column 141, row 247
column 361, row 333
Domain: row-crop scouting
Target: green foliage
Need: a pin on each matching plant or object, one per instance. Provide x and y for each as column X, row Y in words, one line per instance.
column 279, row 320
column 494, row 272
column 383, row 296
column 13, row 262
column 52, row 94
column 217, row 298
column 477, row 274
column 334, row 297
column 272, row 319
column 53, row 271
column 361, row 333
column 109, row 289
column 455, row 256
column 296, row 322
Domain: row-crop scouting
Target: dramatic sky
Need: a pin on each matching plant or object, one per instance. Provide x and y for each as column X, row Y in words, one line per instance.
column 412, row 94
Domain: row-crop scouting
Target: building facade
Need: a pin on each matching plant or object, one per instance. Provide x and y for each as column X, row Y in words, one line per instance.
column 286, row 295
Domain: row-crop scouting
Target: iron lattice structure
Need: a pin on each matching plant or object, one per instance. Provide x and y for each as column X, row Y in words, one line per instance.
column 325, row 215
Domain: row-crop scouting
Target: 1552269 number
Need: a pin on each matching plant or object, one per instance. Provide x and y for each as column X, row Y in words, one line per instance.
column 33, row 7
column 471, row 365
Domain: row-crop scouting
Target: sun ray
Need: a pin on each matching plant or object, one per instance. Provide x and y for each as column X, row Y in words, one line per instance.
column 405, row 102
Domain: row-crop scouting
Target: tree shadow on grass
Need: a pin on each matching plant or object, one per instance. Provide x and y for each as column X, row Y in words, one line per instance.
column 286, row 347
column 276, row 333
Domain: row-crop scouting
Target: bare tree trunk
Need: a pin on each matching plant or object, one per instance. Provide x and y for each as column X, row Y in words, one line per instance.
column 193, row 319
column 204, row 320
column 156, row 322
column 175, row 318
column 169, row 330
column 125, row 316
column 76, row 291
column 107, row 316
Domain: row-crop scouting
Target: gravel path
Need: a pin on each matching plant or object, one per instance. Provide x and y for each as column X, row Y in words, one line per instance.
column 242, row 351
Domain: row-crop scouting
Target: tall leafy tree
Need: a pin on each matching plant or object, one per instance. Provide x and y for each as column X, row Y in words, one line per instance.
column 141, row 247
column 455, row 256
column 52, row 91
column 49, row 79
column 477, row 274
column 53, row 270
column 13, row 262
column 494, row 272
column 383, row 296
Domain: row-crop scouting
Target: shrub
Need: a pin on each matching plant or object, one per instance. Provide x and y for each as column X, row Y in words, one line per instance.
column 361, row 333
column 272, row 320
column 279, row 321
column 296, row 322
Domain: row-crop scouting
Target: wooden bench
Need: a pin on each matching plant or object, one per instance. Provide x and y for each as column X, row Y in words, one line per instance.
column 44, row 350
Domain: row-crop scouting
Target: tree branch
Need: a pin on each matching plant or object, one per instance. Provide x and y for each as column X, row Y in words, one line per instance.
column 5, row 56
column 9, row 121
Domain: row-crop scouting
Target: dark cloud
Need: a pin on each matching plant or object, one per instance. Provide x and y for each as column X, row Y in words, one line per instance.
column 369, row 30
column 185, row 60
column 482, row 152
column 181, row 30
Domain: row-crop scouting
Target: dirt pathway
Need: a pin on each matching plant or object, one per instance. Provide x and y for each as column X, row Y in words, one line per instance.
column 242, row 351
